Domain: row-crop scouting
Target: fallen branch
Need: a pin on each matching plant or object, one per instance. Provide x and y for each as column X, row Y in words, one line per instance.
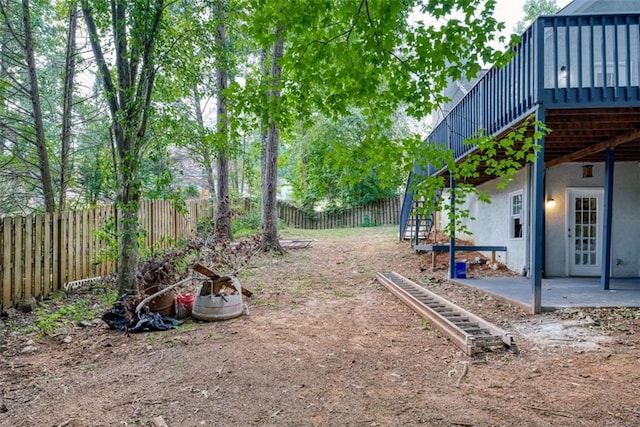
column 465, row 371
column 550, row 411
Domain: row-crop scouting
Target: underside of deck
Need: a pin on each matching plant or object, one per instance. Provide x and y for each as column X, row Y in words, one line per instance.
column 582, row 135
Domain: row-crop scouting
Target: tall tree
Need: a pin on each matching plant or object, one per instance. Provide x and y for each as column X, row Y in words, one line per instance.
column 135, row 28
column 202, row 146
column 23, row 104
column 223, row 211
column 67, row 103
column 34, row 91
column 367, row 55
column 269, row 240
column 318, row 161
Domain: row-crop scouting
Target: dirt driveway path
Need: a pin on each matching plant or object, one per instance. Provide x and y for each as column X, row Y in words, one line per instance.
column 325, row 345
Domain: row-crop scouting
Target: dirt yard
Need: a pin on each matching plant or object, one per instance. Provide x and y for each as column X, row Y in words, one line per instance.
column 325, row 345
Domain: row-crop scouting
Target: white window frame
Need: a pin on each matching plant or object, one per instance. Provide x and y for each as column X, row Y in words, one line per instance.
column 516, row 216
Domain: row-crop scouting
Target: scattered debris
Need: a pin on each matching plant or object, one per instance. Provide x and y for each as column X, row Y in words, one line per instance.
column 465, row 371
column 218, row 282
column 296, row 243
column 123, row 317
column 213, row 302
column 159, row 422
column 74, row 284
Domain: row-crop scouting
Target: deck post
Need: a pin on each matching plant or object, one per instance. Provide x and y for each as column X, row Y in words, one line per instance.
column 452, row 234
column 537, row 222
column 538, row 175
column 606, row 219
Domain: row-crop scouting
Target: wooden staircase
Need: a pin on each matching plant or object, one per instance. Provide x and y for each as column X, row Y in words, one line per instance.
column 417, row 224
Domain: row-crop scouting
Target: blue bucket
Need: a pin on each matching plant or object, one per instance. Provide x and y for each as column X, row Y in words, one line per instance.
column 460, row 271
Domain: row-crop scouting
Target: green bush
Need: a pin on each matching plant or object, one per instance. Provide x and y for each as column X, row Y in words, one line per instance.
column 366, row 220
column 246, row 224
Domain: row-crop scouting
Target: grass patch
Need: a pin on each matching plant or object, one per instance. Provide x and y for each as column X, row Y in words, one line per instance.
column 61, row 312
column 390, row 231
column 342, row 292
column 186, row 327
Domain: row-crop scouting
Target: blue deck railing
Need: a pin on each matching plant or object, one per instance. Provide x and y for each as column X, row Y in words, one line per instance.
column 562, row 61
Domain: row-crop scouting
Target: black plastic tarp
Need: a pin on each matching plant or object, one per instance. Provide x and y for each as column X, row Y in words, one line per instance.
column 123, row 317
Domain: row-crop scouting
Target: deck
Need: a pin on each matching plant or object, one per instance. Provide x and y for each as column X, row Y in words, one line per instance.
column 582, row 70
column 561, row 292
column 580, row 75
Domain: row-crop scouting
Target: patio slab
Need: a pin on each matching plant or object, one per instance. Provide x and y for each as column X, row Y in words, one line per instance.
column 561, row 292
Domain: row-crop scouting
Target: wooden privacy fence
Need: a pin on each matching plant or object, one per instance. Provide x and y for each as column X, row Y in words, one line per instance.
column 40, row 253
column 384, row 211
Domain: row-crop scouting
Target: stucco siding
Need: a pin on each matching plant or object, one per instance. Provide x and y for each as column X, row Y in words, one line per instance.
column 492, row 224
column 625, row 223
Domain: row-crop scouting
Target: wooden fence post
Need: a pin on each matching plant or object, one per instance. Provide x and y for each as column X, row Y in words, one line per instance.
column 7, row 261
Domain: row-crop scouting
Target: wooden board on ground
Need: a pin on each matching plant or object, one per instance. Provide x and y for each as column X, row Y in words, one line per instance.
column 295, row 243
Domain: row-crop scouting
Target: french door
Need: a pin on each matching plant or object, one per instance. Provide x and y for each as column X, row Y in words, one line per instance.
column 584, row 220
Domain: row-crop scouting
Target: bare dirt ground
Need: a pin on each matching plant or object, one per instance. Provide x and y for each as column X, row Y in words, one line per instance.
column 325, row 345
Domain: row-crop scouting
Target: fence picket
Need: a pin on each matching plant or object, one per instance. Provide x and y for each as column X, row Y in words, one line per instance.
column 78, row 253
column 18, row 278
column 37, row 256
column 54, row 259
column 7, row 261
column 28, row 257
column 85, row 244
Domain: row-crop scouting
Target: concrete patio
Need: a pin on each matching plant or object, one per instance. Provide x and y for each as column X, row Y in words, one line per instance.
column 561, row 292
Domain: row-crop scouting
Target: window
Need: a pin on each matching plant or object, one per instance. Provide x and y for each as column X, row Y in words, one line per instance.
column 516, row 214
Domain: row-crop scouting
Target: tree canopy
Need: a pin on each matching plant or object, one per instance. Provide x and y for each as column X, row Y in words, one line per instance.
column 532, row 9
column 326, row 83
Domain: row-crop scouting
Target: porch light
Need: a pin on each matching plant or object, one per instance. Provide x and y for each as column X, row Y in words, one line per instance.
column 587, row 171
column 550, row 202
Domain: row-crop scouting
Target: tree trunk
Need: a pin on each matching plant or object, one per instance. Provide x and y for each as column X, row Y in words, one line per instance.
column 234, row 174
column 264, row 126
column 4, row 73
column 208, row 171
column 244, row 166
column 129, row 103
column 34, row 93
column 128, row 202
column 206, row 160
column 67, row 104
column 223, row 202
column 270, row 155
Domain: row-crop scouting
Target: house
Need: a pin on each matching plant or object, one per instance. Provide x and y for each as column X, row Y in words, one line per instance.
column 574, row 211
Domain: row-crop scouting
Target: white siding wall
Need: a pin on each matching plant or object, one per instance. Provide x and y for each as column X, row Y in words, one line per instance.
column 492, row 225
column 625, row 227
